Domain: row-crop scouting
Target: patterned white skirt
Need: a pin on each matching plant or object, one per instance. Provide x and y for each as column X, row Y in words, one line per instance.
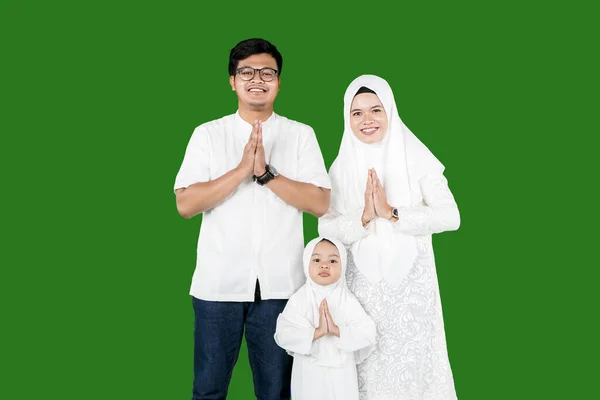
column 410, row 361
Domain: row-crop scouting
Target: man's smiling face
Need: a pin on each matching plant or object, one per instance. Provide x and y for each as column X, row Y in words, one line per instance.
column 256, row 94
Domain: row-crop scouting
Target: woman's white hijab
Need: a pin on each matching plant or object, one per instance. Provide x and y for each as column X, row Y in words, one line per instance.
column 400, row 161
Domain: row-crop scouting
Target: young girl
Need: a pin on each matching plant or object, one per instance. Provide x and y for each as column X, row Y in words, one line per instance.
column 325, row 328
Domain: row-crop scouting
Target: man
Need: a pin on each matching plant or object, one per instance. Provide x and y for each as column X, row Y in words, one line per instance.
column 251, row 174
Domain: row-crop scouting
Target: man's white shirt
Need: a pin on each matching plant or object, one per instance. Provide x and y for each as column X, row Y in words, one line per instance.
column 253, row 233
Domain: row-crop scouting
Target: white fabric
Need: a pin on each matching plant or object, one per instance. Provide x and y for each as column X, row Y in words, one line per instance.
column 326, row 368
column 253, row 233
column 438, row 214
column 400, row 160
column 410, row 361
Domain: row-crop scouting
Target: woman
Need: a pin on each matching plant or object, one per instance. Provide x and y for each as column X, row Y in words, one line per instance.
column 388, row 196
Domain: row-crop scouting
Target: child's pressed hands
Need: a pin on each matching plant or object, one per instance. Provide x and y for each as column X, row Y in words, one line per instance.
column 322, row 328
column 332, row 328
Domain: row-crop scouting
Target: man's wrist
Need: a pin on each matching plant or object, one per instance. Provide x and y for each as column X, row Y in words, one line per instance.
column 263, row 169
column 240, row 173
column 259, row 178
column 266, row 177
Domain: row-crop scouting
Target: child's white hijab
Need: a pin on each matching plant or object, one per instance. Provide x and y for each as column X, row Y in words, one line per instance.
column 336, row 293
column 303, row 306
column 400, row 161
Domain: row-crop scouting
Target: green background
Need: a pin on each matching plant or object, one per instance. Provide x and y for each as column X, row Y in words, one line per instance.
column 99, row 99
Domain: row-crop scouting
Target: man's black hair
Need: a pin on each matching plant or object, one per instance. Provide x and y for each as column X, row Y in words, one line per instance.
column 249, row 47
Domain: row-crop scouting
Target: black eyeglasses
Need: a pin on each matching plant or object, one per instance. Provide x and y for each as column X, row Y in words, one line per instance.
column 248, row 73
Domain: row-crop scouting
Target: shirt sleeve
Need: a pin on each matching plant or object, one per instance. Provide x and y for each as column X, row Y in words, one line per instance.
column 196, row 162
column 293, row 337
column 311, row 167
column 347, row 228
column 439, row 214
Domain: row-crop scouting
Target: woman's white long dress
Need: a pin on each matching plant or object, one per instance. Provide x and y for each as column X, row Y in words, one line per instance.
column 410, row 361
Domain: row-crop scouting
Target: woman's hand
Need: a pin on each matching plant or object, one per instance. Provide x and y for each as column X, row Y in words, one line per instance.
column 332, row 328
column 382, row 208
column 369, row 212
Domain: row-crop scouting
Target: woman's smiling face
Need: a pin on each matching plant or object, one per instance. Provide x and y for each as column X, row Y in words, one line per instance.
column 368, row 119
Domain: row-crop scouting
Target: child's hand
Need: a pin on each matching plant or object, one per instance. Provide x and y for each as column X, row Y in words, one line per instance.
column 332, row 328
column 322, row 328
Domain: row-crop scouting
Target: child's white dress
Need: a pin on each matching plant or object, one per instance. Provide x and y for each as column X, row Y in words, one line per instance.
column 326, row 368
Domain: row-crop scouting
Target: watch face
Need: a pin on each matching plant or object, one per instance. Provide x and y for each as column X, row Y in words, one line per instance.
column 273, row 170
column 395, row 212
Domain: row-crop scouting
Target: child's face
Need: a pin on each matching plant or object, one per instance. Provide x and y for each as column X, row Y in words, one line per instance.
column 325, row 268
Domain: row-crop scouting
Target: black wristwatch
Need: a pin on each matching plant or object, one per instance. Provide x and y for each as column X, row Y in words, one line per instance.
column 267, row 177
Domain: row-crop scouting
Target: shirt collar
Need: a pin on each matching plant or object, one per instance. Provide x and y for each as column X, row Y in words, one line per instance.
column 267, row 123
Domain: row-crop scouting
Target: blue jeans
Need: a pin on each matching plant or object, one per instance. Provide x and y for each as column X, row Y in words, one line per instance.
column 218, row 330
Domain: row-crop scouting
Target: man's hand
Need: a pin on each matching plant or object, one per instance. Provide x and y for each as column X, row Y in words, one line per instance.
column 260, row 165
column 247, row 163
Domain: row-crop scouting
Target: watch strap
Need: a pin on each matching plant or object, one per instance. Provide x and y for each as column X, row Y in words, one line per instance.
column 264, row 178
